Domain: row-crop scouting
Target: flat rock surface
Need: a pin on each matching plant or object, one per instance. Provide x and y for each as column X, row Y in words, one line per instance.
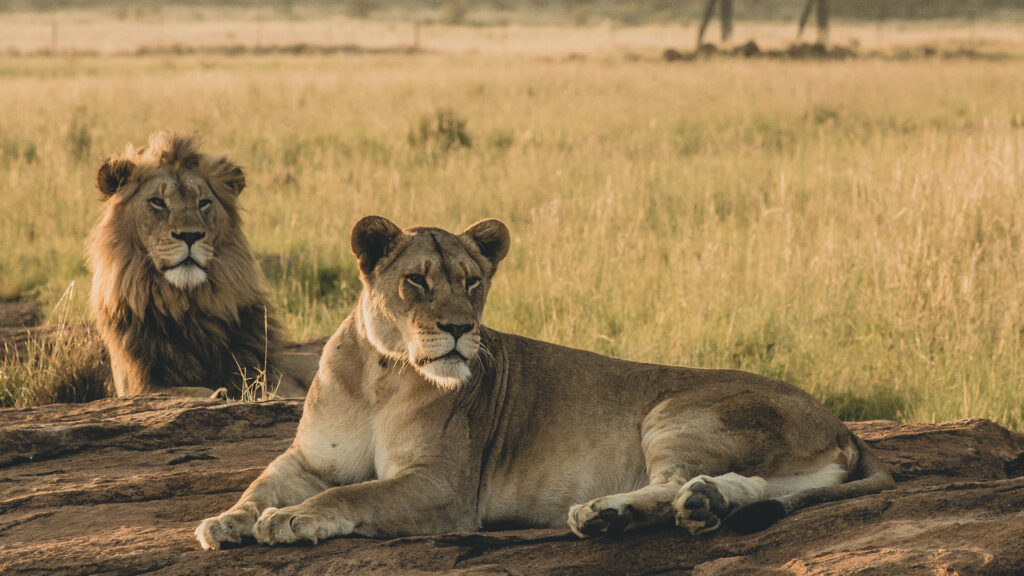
column 117, row 487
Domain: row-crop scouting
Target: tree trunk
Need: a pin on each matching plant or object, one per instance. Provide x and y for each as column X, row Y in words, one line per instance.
column 823, row 22
column 708, row 12
column 727, row 12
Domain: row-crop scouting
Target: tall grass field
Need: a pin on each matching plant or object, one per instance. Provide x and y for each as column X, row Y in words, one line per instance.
column 855, row 227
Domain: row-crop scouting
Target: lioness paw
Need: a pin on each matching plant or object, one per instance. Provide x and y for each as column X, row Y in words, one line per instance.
column 228, row 527
column 287, row 525
column 599, row 517
column 700, row 506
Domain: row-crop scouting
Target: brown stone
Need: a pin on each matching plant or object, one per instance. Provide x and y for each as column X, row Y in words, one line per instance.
column 117, row 486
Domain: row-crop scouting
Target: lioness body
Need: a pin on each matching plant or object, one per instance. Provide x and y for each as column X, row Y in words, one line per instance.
column 177, row 296
column 389, row 446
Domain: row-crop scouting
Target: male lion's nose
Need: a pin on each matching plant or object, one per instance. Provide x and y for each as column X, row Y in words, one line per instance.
column 189, row 238
column 455, row 330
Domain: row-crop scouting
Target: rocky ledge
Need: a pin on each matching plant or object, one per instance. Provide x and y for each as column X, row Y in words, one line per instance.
column 117, row 486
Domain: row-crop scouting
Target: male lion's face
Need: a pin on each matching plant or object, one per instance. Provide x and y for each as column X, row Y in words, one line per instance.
column 424, row 291
column 174, row 204
column 177, row 218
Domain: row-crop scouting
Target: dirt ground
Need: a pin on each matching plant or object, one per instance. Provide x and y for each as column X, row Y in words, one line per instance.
column 117, row 487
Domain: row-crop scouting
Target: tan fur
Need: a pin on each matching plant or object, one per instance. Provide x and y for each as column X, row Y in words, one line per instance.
column 521, row 432
column 179, row 317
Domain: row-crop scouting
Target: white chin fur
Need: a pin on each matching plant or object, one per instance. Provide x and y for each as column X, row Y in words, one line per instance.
column 185, row 277
column 447, row 373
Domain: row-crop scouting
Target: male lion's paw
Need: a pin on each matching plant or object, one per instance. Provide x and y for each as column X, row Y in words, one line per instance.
column 700, row 506
column 228, row 527
column 284, row 526
column 599, row 517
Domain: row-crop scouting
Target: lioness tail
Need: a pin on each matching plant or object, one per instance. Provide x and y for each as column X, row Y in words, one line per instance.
column 873, row 478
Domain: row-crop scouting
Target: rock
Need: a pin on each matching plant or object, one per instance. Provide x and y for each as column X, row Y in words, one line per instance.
column 14, row 314
column 118, row 486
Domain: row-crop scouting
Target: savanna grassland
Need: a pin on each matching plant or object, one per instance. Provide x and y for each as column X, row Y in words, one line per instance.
column 854, row 227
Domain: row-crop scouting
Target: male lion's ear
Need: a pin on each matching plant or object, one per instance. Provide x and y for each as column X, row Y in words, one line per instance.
column 113, row 174
column 224, row 172
column 371, row 240
column 491, row 237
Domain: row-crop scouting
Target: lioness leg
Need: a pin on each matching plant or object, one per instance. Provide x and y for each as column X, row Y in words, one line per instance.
column 667, row 442
column 647, row 506
column 284, row 483
column 704, row 501
column 421, row 502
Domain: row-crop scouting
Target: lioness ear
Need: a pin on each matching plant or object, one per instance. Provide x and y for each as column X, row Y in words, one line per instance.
column 371, row 240
column 491, row 237
column 225, row 172
column 113, row 174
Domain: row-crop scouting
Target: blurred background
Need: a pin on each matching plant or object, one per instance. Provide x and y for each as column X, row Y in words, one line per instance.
column 499, row 26
column 840, row 207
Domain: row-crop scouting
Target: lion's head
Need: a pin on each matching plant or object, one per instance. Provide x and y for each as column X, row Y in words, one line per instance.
column 171, row 233
column 176, row 293
column 174, row 203
column 424, row 291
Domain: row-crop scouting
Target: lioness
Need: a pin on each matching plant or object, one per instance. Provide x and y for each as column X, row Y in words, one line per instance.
column 421, row 420
column 176, row 294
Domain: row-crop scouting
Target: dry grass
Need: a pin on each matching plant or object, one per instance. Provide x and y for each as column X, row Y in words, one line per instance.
column 65, row 364
column 853, row 227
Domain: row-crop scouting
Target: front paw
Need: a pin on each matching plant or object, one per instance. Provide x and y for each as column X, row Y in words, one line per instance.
column 287, row 525
column 227, row 527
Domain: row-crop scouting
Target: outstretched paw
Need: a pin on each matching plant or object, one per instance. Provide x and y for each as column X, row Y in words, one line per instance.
column 599, row 517
column 228, row 527
column 700, row 506
column 287, row 525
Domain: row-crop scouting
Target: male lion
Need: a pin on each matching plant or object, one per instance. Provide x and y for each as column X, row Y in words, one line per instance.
column 176, row 294
column 421, row 420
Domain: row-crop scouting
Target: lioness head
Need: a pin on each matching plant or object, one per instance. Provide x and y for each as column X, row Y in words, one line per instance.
column 174, row 203
column 424, row 291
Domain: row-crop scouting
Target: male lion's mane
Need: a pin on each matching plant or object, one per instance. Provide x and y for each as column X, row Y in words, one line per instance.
column 170, row 337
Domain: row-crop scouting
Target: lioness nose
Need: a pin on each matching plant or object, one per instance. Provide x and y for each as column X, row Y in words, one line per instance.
column 455, row 330
column 189, row 238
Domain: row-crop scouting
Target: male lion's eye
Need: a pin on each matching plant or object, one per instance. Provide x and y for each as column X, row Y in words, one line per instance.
column 417, row 280
column 204, row 205
column 157, row 203
column 472, row 283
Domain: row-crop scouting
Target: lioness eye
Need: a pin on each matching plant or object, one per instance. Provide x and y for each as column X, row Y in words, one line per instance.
column 205, row 204
column 472, row 283
column 157, row 203
column 417, row 280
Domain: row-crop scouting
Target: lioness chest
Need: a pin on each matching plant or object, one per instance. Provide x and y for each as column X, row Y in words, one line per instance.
column 386, row 424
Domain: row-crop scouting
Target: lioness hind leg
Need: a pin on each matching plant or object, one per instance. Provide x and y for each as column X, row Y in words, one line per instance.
column 647, row 506
column 703, row 502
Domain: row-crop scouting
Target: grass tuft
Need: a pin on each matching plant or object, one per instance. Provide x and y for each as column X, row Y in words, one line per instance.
column 441, row 131
column 65, row 364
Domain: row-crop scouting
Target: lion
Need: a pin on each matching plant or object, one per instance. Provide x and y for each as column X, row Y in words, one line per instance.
column 421, row 420
column 177, row 296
